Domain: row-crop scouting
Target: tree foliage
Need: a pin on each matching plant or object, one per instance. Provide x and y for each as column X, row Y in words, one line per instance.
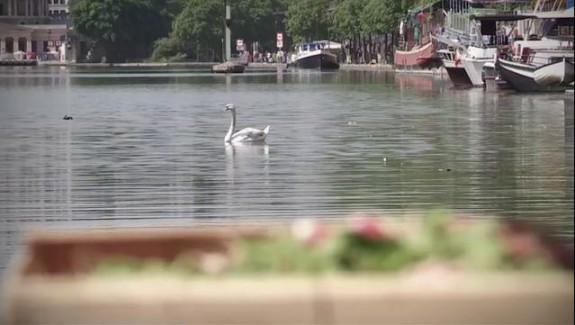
column 347, row 18
column 308, row 19
column 126, row 28
column 170, row 49
column 258, row 20
column 200, row 24
column 194, row 29
column 381, row 16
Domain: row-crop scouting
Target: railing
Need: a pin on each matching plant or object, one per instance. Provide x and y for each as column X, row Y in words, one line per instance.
column 458, row 23
column 536, row 58
column 447, row 55
column 550, row 5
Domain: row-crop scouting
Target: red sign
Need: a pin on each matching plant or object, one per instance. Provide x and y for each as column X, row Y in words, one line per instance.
column 280, row 40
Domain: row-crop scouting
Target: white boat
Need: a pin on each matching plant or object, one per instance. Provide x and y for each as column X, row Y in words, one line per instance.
column 491, row 76
column 541, row 65
column 315, row 55
column 557, row 73
column 521, row 77
column 451, row 59
column 473, row 61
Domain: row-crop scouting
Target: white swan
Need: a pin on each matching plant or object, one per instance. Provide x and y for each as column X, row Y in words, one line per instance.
column 246, row 135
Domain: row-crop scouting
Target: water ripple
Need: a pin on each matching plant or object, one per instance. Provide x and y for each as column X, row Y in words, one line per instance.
column 146, row 148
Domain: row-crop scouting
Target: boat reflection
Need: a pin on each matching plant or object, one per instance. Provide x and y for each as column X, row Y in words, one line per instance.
column 419, row 82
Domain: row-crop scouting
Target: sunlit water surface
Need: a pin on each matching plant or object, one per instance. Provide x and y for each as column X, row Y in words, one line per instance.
column 145, row 147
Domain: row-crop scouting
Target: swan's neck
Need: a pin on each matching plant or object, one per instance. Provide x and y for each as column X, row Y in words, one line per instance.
column 232, row 127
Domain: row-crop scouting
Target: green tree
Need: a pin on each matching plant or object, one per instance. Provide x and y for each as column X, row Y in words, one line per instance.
column 347, row 18
column 170, row 49
column 308, row 19
column 257, row 20
column 201, row 24
column 125, row 28
column 381, row 16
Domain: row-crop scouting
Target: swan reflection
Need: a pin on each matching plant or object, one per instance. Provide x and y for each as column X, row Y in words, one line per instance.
column 247, row 150
column 247, row 163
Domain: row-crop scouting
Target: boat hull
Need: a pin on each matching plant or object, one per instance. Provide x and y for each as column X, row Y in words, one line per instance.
column 319, row 61
column 228, row 67
column 558, row 73
column 408, row 60
column 473, row 62
column 520, row 77
column 457, row 75
column 473, row 69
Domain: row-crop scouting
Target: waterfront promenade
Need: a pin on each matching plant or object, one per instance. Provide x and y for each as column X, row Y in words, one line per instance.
column 257, row 66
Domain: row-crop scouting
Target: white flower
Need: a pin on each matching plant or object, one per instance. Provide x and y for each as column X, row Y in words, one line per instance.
column 308, row 231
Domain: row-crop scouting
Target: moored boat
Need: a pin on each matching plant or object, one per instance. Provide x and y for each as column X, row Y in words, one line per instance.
column 409, row 60
column 315, row 55
column 521, row 77
column 452, row 63
column 228, row 67
column 473, row 62
column 556, row 73
column 491, row 77
column 486, row 40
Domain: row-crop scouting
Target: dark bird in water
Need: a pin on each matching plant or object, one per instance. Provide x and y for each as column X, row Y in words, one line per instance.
column 66, row 117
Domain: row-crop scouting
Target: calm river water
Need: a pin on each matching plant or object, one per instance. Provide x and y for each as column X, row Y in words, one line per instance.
column 146, row 147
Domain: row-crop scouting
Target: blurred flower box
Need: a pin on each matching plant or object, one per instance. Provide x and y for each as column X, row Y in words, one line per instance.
column 53, row 282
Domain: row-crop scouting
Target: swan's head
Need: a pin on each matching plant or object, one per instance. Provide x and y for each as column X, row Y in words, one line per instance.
column 229, row 107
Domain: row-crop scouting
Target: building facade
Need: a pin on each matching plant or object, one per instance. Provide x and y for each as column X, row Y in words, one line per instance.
column 31, row 29
column 58, row 10
column 57, row 7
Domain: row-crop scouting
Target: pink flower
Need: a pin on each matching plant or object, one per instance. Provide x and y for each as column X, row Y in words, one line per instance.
column 367, row 226
column 308, row 231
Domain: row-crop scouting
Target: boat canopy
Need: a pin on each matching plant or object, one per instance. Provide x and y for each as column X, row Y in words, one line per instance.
column 502, row 17
column 555, row 14
column 329, row 45
column 323, row 44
